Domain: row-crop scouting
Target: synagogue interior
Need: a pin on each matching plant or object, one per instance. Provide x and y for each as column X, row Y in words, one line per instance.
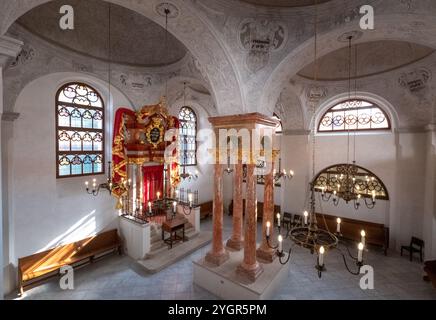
column 218, row 150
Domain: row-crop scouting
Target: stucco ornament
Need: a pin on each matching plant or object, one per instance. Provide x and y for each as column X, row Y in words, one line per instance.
column 415, row 81
column 259, row 37
column 136, row 81
column 315, row 93
column 26, row 55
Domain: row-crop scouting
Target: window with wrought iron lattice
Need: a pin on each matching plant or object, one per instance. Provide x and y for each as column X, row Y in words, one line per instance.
column 188, row 136
column 354, row 115
column 79, row 131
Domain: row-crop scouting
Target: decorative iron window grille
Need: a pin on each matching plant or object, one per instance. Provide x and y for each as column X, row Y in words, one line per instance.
column 354, row 115
column 188, row 136
column 79, row 131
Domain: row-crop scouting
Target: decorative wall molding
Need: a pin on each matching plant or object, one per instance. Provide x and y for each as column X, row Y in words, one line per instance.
column 260, row 37
column 10, row 116
column 9, row 49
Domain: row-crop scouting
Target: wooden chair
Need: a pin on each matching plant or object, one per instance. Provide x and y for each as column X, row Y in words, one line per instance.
column 416, row 245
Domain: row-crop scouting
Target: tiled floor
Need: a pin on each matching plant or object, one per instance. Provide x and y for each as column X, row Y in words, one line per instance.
column 122, row 278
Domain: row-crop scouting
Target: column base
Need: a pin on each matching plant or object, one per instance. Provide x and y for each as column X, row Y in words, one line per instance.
column 235, row 244
column 266, row 255
column 217, row 259
column 250, row 273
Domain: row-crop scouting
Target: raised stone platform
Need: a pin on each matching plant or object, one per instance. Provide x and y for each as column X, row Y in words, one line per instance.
column 167, row 257
column 224, row 282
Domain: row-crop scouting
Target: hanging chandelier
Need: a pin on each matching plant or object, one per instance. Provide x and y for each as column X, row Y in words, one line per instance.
column 346, row 181
column 308, row 234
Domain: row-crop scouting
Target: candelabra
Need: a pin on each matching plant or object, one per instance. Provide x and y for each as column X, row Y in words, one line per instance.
column 348, row 186
column 309, row 236
column 188, row 175
column 108, row 185
column 282, row 174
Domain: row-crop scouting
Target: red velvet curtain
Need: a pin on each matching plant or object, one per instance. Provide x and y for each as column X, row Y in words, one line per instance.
column 153, row 182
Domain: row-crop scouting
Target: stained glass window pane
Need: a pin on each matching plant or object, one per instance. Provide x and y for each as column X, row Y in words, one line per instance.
column 188, row 136
column 80, row 135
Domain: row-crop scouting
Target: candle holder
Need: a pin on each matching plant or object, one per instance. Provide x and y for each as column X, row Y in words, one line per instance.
column 320, row 269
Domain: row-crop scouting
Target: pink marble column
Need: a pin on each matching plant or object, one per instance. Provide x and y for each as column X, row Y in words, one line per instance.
column 250, row 268
column 236, row 242
column 218, row 255
column 265, row 253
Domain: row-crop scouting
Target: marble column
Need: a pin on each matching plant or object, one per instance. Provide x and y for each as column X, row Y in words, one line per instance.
column 250, row 268
column 218, row 254
column 9, row 49
column 265, row 253
column 236, row 242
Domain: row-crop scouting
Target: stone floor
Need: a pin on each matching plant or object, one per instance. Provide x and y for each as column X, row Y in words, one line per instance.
column 122, row 278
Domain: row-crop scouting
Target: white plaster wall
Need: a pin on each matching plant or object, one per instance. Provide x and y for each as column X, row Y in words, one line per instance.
column 47, row 211
column 383, row 154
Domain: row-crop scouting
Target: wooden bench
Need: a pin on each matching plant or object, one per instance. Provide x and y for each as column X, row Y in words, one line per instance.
column 259, row 209
column 376, row 234
column 206, row 209
column 34, row 269
column 430, row 269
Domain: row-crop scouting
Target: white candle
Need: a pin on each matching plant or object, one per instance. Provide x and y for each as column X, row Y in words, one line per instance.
column 306, row 215
column 280, row 239
column 360, row 252
column 177, row 194
column 338, row 228
column 363, row 235
column 278, row 219
column 322, row 190
column 149, row 206
column 321, row 256
column 268, row 226
column 190, row 196
column 174, row 206
column 86, row 184
column 158, row 195
column 291, row 173
column 373, row 196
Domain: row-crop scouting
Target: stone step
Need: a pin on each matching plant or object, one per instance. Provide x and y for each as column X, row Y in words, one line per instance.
column 158, row 246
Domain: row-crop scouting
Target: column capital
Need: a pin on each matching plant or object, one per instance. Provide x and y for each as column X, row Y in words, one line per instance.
column 10, row 48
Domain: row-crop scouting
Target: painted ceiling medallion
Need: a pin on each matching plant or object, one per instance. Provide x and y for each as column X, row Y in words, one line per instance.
column 173, row 10
column 355, row 35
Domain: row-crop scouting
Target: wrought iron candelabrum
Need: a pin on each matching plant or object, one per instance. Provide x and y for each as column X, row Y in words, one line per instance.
column 318, row 241
column 108, row 185
column 282, row 174
column 347, row 185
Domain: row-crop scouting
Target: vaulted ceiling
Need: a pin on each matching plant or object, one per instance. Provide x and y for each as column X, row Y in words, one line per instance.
column 372, row 58
column 135, row 40
column 284, row 3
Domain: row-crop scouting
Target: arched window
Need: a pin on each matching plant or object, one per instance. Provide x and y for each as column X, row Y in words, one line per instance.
column 79, row 131
column 279, row 129
column 188, row 136
column 354, row 115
